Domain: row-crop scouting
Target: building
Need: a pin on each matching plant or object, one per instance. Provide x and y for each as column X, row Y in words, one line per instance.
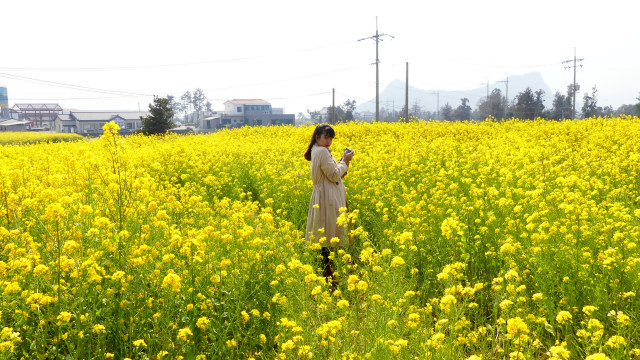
column 240, row 112
column 64, row 124
column 13, row 125
column 91, row 122
column 40, row 116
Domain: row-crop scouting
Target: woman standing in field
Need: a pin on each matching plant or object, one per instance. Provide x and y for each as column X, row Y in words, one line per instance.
column 328, row 196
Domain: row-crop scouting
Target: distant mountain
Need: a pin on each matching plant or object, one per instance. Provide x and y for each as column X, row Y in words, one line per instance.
column 392, row 96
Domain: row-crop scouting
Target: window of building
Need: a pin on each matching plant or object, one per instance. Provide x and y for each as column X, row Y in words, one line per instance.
column 239, row 109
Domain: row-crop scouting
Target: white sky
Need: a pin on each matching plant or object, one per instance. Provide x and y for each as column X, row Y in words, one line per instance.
column 292, row 53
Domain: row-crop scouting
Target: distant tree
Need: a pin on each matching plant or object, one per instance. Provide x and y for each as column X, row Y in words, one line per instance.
column 638, row 105
column 538, row 104
column 176, row 106
column 590, row 104
column 315, row 116
column 571, row 92
column 463, row 111
column 349, row 107
column 402, row 116
column 427, row 115
column 529, row 105
column 388, row 115
column 626, row 109
column 416, row 110
column 446, row 112
column 198, row 100
column 208, row 106
column 159, row 119
column 493, row 106
column 523, row 106
column 338, row 116
column 561, row 107
column 186, row 104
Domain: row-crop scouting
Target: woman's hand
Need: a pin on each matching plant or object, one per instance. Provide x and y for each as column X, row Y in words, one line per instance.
column 347, row 156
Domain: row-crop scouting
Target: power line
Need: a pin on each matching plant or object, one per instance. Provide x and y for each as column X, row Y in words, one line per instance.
column 138, row 67
column 283, row 80
column 125, row 96
column 71, row 86
column 131, row 94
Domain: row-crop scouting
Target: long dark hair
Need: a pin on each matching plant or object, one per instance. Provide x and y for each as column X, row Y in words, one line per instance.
column 319, row 131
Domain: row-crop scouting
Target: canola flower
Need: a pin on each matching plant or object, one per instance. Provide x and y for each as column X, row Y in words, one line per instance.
column 25, row 137
column 473, row 241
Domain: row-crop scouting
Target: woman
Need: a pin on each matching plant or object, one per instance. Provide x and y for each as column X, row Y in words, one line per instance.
column 329, row 193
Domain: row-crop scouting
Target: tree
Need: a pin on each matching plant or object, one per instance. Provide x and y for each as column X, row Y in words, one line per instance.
column 463, row 111
column 561, row 107
column 538, row 104
column 403, row 111
column 446, row 112
column 198, row 100
column 529, row 105
column 590, row 104
column 315, row 116
column 338, row 116
column 349, row 108
column 571, row 92
column 638, row 105
column 159, row 119
column 493, row 106
column 186, row 104
column 176, row 106
column 416, row 109
column 208, row 106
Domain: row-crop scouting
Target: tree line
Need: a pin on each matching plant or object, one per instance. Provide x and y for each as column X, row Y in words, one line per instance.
column 188, row 103
column 527, row 104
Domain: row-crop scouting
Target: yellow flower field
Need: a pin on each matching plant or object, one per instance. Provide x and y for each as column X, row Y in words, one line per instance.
column 22, row 138
column 514, row 240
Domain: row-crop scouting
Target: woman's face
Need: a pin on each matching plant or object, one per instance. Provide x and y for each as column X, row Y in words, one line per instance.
column 323, row 140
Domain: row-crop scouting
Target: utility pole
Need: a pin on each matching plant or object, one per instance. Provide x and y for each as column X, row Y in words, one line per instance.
column 437, row 93
column 377, row 38
column 487, row 89
column 506, row 97
column 489, row 109
column 406, row 96
column 393, row 109
column 333, row 107
column 573, row 113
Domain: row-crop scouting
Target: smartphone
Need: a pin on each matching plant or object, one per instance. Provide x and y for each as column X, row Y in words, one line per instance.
column 348, row 150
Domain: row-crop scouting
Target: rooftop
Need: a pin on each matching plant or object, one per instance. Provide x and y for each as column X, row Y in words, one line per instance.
column 36, row 107
column 249, row 102
column 107, row 115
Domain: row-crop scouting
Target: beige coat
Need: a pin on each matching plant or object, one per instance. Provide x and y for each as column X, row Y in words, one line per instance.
column 330, row 194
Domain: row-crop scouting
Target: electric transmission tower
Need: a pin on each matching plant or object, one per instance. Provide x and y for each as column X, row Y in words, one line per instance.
column 377, row 38
column 574, row 66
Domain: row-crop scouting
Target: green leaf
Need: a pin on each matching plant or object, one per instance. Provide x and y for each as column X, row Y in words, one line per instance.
column 549, row 328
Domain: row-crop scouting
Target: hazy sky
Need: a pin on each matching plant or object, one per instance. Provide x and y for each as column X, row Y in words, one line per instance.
column 117, row 54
